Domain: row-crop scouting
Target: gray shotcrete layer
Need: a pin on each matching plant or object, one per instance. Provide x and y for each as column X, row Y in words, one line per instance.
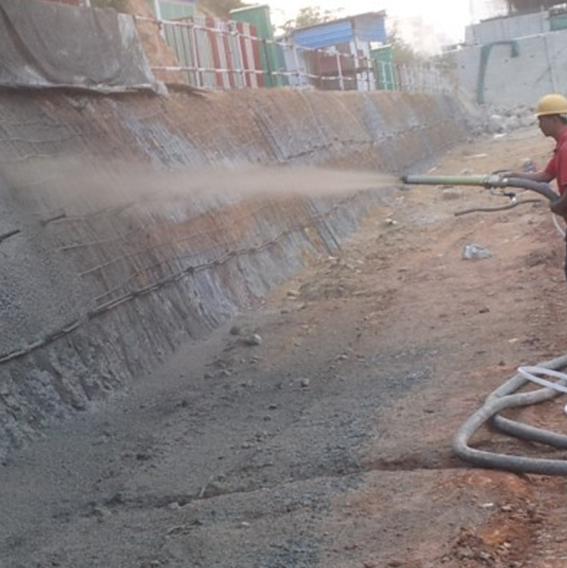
column 108, row 261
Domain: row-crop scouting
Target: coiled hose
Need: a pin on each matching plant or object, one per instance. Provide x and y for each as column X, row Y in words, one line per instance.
column 501, row 399
column 505, row 397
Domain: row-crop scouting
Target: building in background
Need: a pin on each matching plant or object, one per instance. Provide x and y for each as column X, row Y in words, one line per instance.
column 514, row 59
column 272, row 59
column 339, row 52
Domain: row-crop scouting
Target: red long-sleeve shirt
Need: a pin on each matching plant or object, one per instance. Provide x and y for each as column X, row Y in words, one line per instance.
column 557, row 165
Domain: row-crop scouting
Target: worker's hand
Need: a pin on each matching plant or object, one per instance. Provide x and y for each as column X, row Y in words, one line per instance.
column 503, row 174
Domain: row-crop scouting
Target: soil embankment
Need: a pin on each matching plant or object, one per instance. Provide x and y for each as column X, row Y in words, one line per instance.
column 134, row 223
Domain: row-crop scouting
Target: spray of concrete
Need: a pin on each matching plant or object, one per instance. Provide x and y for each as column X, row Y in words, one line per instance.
column 85, row 187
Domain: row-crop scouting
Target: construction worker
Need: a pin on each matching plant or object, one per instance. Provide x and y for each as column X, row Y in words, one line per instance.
column 551, row 111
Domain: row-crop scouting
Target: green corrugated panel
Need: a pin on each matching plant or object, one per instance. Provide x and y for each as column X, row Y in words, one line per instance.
column 271, row 56
column 176, row 10
column 558, row 22
column 384, row 69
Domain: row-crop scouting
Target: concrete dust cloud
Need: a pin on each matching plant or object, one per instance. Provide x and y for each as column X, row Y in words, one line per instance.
column 283, row 181
column 78, row 184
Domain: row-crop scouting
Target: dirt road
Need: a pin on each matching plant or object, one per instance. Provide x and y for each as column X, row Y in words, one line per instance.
column 316, row 430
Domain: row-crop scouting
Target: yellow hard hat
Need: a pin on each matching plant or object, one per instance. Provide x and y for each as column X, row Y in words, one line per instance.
column 551, row 104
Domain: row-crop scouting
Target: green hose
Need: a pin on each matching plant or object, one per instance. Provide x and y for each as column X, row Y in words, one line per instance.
column 480, row 180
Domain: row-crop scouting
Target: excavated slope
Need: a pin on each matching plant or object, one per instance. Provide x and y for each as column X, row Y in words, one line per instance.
column 133, row 223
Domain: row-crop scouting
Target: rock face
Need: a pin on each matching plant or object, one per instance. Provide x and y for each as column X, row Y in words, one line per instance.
column 132, row 225
column 507, row 120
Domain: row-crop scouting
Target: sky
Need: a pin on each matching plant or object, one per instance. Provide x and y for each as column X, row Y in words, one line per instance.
column 449, row 17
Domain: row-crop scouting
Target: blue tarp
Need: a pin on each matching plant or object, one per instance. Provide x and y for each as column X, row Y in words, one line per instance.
column 324, row 35
column 370, row 28
column 365, row 27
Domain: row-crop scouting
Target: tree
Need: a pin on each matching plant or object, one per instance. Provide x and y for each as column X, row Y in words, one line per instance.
column 402, row 52
column 220, row 8
column 310, row 16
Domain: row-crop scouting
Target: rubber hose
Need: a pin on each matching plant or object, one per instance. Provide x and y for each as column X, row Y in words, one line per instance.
column 502, row 399
column 530, row 433
column 541, row 188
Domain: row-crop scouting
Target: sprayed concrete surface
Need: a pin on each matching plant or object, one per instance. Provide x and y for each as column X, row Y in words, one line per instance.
column 135, row 223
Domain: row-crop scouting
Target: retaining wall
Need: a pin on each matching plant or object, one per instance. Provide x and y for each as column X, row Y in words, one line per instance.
column 119, row 242
column 508, row 73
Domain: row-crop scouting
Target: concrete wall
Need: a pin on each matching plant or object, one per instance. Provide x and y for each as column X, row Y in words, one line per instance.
column 516, row 72
column 118, row 242
column 507, row 28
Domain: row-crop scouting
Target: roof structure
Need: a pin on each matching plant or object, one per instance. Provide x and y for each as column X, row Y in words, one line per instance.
column 369, row 27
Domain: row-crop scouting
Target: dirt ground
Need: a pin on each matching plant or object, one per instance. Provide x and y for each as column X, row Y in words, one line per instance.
column 316, row 430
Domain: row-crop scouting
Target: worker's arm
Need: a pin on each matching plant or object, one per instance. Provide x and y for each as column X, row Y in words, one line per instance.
column 540, row 177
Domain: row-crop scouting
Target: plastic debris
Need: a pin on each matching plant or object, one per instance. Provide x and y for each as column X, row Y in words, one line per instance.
column 475, row 252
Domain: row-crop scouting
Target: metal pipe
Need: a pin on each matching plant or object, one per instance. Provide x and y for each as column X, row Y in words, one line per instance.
column 486, row 180
column 481, row 180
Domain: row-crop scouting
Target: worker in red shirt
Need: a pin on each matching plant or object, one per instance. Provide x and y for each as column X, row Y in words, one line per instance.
column 551, row 112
